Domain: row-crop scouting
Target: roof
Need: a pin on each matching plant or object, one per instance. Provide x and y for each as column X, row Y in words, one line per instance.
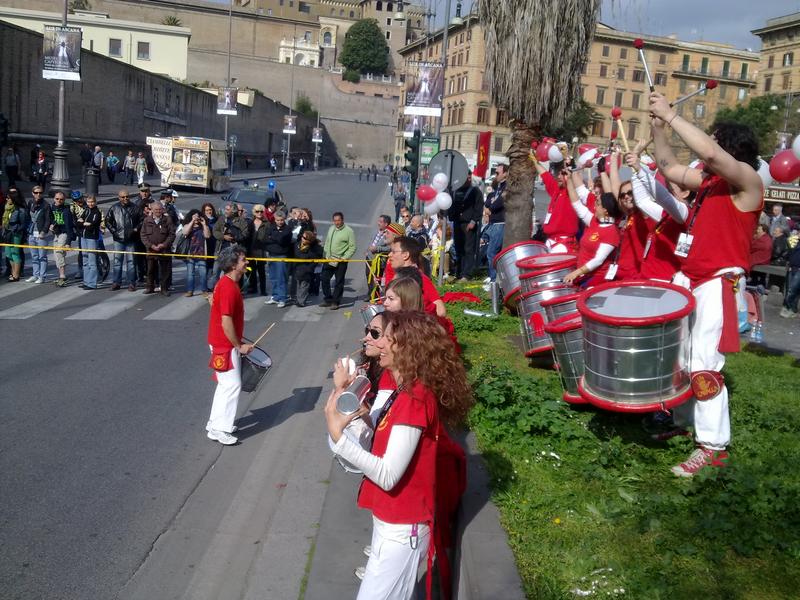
column 97, row 19
column 776, row 23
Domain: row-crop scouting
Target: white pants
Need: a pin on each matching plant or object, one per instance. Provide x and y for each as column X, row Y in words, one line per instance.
column 393, row 564
column 710, row 418
column 226, row 396
column 556, row 246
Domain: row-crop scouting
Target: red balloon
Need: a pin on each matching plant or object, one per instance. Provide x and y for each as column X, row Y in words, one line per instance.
column 541, row 151
column 426, row 193
column 784, row 167
column 549, row 139
column 583, row 148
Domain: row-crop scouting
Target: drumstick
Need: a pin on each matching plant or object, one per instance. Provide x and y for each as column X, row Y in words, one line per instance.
column 263, row 334
column 639, row 45
column 708, row 85
column 616, row 114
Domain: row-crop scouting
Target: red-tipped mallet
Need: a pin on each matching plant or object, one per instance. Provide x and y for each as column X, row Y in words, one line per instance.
column 639, row 45
column 616, row 114
column 708, row 85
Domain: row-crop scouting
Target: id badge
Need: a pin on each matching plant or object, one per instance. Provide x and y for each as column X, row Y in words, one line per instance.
column 647, row 246
column 547, row 218
column 612, row 272
column 684, row 245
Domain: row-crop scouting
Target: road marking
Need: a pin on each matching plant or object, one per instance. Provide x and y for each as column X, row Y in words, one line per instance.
column 11, row 288
column 26, row 310
column 119, row 303
column 178, row 309
column 303, row 315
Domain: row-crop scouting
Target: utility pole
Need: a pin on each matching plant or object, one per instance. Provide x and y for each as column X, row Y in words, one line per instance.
column 445, row 32
column 287, row 166
column 60, row 181
column 228, row 76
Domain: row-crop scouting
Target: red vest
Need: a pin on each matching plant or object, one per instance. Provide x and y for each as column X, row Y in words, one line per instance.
column 561, row 218
column 633, row 237
column 593, row 236
column 660, row 261
column 412, row 500
column 722, row 233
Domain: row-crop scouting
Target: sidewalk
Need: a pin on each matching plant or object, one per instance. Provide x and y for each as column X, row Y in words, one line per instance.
column 780, row 335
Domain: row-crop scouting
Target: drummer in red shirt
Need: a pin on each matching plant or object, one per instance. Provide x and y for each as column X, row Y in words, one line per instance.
column 225, row 330
column 634, row 228
column 600, row 238
column 405, row 252
column 715, row 254
column 560, row 223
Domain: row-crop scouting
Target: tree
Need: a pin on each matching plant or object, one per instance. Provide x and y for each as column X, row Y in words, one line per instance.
column 758, row 115
column 576, row 124
column 80, row 5
column 172, row 21
column 534, row 53
column 365, row 49
column 304, row 106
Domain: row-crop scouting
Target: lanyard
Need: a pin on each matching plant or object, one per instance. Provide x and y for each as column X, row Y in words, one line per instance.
column 698, row 204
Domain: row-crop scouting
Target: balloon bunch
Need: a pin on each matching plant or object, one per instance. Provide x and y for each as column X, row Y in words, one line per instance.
column 785, row 165
column 547, row 150
column 434, row 195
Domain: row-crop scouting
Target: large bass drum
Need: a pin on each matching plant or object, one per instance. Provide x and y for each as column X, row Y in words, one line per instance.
column 636, row 345
column 505, row 263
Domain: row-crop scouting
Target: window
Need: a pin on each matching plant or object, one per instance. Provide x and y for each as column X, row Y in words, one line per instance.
column 388, row 21
column 304, row 7
column 638, row 75
column 502, row 118
column 685, row 63
column 307, row 36
column 683, row 86
column 636, row 100
column 786, row 78
column 341, row 12
column 601, row 96
column 469, row 34
column 662, row 59
column 461, row 113
column 379, row 5
column 464, row 83
column 771, row 61
column 767, row 84
column 288, row 60
column 583, row 69
column 597, row 129
column 477, row 140
column 743, row 72
column 632, row 127
column 459, row 141
column 419, row 23
column 723, row 91
column 603, row 70
column 623, row 53
column 291, row 3
column 742, row 94
column 460, row 59
column 450, row 86
column 327, row 38
column 91, row 45
column 606, row 51
column 483, row 116
column 788, row 59
column 388, row 35
column 281, row 2
column 621, row 73
column 699, row 110
column 466, row 57
column 618, row 97
column 143, row 50
column 352, row 14
column 498, row 144
column 726, row 68
column 704, row 66
column 114, row 47
column 660, row 79
column 582, row 92
column 389, row 7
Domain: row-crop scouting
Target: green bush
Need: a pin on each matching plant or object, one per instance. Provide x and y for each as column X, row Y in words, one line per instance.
column 351, row 75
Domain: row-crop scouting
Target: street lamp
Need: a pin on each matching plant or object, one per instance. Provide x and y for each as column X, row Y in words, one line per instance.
column 60, row 180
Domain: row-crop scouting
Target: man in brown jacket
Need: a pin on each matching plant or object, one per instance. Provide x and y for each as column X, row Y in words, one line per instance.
column 158, row 233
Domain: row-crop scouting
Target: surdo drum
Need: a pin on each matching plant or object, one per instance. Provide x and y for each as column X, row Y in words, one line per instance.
column 636, row 345
column 506, row 265
column 567, row 336
column 545, row 270
column 555, row 308
column 531, row 315
column 254, row 366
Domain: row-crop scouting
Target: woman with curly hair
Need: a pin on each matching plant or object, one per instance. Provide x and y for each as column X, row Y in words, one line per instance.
column 400, row 473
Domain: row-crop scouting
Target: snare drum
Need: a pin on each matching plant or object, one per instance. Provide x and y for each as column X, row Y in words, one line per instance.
column 636, row 345
column 506, row 265
column 254, row 366
column 567, row 336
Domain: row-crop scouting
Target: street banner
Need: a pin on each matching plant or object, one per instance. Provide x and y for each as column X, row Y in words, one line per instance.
column 290, row 124
column 316, row 135
column 226, row 100
column 161, row 150
column 484, row 138
column 425, row 88
column 428, row 148
column 61, row 56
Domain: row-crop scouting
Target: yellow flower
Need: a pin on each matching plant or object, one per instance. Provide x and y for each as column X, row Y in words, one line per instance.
column 557, row 521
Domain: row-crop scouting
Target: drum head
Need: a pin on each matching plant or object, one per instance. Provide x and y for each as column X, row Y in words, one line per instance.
column 636, row 303
column 260, row 358
column 546, row 261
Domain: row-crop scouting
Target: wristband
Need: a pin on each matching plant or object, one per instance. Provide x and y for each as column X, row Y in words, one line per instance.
column 672, row 119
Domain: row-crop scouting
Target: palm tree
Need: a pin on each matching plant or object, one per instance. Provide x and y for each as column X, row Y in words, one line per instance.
column 535, row 50
column 172, row 21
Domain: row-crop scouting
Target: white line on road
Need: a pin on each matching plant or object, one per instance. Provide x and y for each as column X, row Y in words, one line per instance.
column 9, row 289
column 120, row 302
column 178, row 309
column 26, row 310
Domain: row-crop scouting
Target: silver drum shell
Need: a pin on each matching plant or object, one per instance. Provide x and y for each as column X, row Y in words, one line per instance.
column 506, row 265
column 529, row 305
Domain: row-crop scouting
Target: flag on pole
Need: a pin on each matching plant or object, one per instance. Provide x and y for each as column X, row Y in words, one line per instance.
column 484, row 137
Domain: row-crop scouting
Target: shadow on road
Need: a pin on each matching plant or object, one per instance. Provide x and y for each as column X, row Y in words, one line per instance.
column 261, row 419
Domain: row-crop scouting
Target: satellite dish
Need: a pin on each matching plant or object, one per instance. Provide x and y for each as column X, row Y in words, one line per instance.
column 451, row 163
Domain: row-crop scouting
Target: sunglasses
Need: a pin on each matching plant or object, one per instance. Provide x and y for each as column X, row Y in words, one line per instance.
column 256, row 211
column 623, row 194
column 375, row 334
column 35, row 192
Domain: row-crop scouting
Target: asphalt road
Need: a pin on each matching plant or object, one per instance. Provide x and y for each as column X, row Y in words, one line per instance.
column 109, row 487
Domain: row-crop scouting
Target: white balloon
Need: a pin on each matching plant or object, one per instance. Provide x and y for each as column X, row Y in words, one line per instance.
column 796, row 146
column 587, row 156
column 554, row 154
column 439, row 182
column 763, row 170
column 443, row 200
column 431, row 208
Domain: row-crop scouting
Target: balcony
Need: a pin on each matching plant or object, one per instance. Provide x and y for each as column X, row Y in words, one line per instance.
column 721, row 76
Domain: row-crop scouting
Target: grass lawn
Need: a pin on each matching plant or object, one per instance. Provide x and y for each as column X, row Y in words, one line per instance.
column 588, row 501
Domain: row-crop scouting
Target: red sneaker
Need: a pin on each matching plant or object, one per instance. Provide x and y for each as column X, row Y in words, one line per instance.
column 669, row 434
column 700, row 459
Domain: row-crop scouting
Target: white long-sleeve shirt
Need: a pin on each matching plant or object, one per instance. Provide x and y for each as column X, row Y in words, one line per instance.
column 648, row 191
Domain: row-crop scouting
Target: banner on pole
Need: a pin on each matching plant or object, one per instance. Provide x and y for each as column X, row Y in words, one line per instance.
column 425, row 88
column 316, row 135
column 61, row 56
column 226, row 100
column 484, row 139
column 290, row 124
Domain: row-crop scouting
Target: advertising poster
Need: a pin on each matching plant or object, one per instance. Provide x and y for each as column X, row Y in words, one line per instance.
column 316, row 135
column 428, row 148
column 161, row 150
column 425, row 88
column 61, row 56
column 226, row 100
column 290, row 124
column 190, row 161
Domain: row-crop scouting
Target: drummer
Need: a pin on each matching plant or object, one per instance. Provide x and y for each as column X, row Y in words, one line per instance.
column 634, row 228
column 599, row 239
column 225, row 330
column 561, row 223
column 715, row 254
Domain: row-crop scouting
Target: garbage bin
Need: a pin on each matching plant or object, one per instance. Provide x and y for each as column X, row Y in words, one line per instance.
column 92, row 180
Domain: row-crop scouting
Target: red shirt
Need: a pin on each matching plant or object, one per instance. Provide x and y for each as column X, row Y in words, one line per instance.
column 593, row 236
column 660, row 261
column 633, row 234
column 227, row 301
column 722, row 233
column 561, row 218
column 412, row 500
column 761, row 250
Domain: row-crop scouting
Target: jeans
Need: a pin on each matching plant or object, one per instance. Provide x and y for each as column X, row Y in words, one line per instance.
column 129, row 268
column 196, row 275
column 89, row 263
column 38, row 256
column 792, row 289
column 277, row 277
column 495, row 232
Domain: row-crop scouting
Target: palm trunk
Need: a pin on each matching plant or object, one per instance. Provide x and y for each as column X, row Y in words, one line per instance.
column 518, row 198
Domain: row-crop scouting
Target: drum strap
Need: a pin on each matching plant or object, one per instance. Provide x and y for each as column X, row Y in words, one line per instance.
column 385, row 410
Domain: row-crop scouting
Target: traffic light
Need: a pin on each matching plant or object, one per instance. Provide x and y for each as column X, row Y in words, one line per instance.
column 3, row 130
column 412, row 156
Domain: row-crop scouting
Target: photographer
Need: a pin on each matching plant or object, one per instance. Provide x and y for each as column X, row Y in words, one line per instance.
column 195, row 233
column 230, row 229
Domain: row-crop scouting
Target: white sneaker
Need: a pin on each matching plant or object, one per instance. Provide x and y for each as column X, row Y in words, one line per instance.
column 486, row 287
column 271, row 301
column 487, row 280
column 359, row 572
column 281, row 304
column 31, row 279
column 223, row 438
column 40, row 280
column 367, row 551
column 786, row 313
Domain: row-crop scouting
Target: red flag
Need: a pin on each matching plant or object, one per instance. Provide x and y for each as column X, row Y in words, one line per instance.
column 484, row 137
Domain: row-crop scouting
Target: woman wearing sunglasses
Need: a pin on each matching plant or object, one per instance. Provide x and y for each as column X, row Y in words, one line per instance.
column 400, row 471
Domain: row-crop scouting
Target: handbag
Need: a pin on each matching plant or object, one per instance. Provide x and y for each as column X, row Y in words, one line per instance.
column 182, row 244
